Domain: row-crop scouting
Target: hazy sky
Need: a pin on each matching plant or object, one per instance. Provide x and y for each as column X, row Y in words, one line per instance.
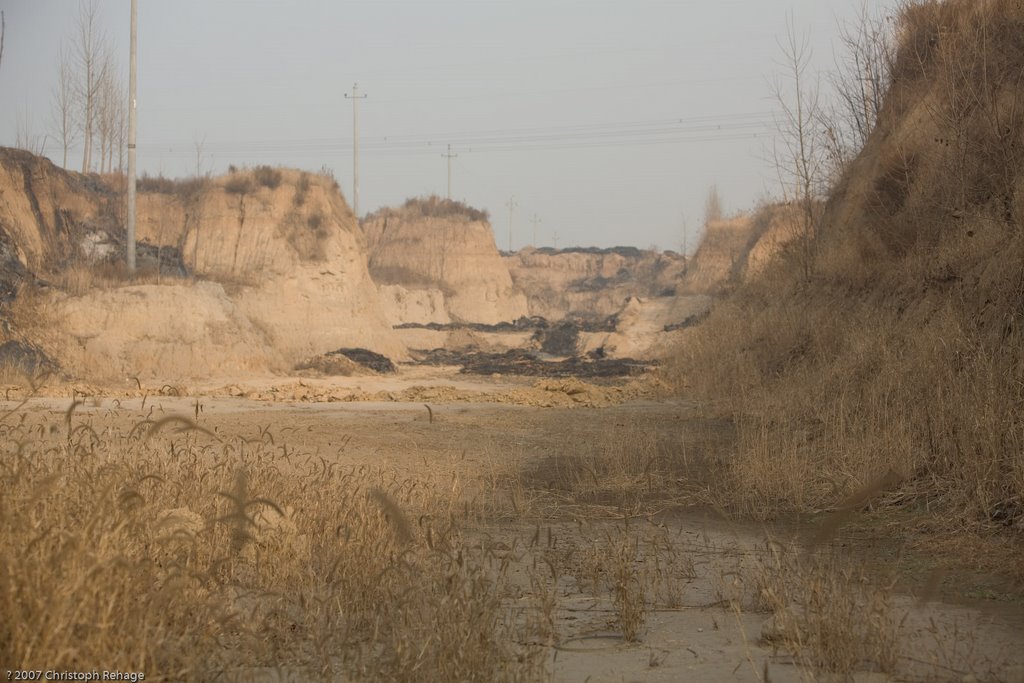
column 607, row 119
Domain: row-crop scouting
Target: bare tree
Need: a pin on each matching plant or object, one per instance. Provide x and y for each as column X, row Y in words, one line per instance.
column 63, row 104
column 24, row 137
column 200, row 146
column 90, row 52
column 109, row 103
column 121, row 134
column 799, row 153
column 862, row 76
column 712, row 206
column 980, row 114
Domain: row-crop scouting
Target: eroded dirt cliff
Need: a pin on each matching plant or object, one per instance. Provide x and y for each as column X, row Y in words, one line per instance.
column 432, row 250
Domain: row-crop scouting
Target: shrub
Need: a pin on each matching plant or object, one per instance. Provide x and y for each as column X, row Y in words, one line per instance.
column 240, row 184
column 268, row 177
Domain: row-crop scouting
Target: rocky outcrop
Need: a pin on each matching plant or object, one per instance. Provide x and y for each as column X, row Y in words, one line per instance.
column 438, row 250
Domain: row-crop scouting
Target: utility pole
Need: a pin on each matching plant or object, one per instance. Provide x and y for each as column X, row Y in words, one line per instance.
column 355, row 97
column 449, row 156
column 555, row 238
column 511, row 204
column 133, row 49
column 535, row 220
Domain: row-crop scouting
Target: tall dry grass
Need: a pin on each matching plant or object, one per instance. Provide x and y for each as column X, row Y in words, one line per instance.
column 185, row 554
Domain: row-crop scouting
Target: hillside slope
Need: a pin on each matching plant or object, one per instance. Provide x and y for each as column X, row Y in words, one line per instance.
column 902, row 351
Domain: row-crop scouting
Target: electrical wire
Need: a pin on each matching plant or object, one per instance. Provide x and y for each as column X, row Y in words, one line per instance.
column 634, row 133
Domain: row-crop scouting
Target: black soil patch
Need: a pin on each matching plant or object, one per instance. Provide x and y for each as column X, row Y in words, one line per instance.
column 690, row 321
column 520, row 362
column 560, row 340
column 366, row 358
column 523, row 324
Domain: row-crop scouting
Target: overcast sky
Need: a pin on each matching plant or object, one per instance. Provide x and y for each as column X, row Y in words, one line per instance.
column 606, row 119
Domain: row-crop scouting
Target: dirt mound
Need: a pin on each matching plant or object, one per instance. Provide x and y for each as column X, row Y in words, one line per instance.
column 329, row 365
column 568, row 392
column 366, row 358
column 571, row 392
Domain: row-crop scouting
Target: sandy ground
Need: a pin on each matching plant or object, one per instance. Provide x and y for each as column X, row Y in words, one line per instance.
column 466, row 430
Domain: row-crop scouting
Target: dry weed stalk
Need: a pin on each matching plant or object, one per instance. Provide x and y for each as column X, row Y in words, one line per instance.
column 184, row 553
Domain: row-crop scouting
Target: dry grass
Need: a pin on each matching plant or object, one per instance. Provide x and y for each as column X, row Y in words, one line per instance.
column 81, row 279
column 181, row 552
column 623, row 471
column 827, row 610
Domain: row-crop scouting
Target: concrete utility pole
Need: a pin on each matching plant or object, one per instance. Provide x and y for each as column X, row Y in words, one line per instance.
column 133, row 48
column 535, row 220
column 355, row 97
column 449, row 156
column 511, row 204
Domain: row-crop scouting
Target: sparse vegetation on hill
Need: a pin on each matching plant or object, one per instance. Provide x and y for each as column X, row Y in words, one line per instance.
column 432, row 207
column 900, row 348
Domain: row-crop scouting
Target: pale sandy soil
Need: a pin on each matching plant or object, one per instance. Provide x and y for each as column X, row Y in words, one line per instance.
column 469, row 435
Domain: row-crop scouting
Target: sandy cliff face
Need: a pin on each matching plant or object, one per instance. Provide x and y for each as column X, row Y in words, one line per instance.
column 43, row 214
column 447, row 251
column 291, row 246
column 161, row 331
column 591, row 283
column 279, row 266
column 740, row 247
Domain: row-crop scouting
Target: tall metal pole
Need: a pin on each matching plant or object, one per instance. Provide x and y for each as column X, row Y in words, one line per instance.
column 133, row 47
column 450, row 156
column 512, row 204
column 355, row 97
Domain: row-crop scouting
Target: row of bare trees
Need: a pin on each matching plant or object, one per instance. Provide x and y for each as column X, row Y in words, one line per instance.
column 89, row 100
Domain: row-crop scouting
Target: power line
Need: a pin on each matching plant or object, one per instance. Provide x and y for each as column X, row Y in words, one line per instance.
column 550, row 138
